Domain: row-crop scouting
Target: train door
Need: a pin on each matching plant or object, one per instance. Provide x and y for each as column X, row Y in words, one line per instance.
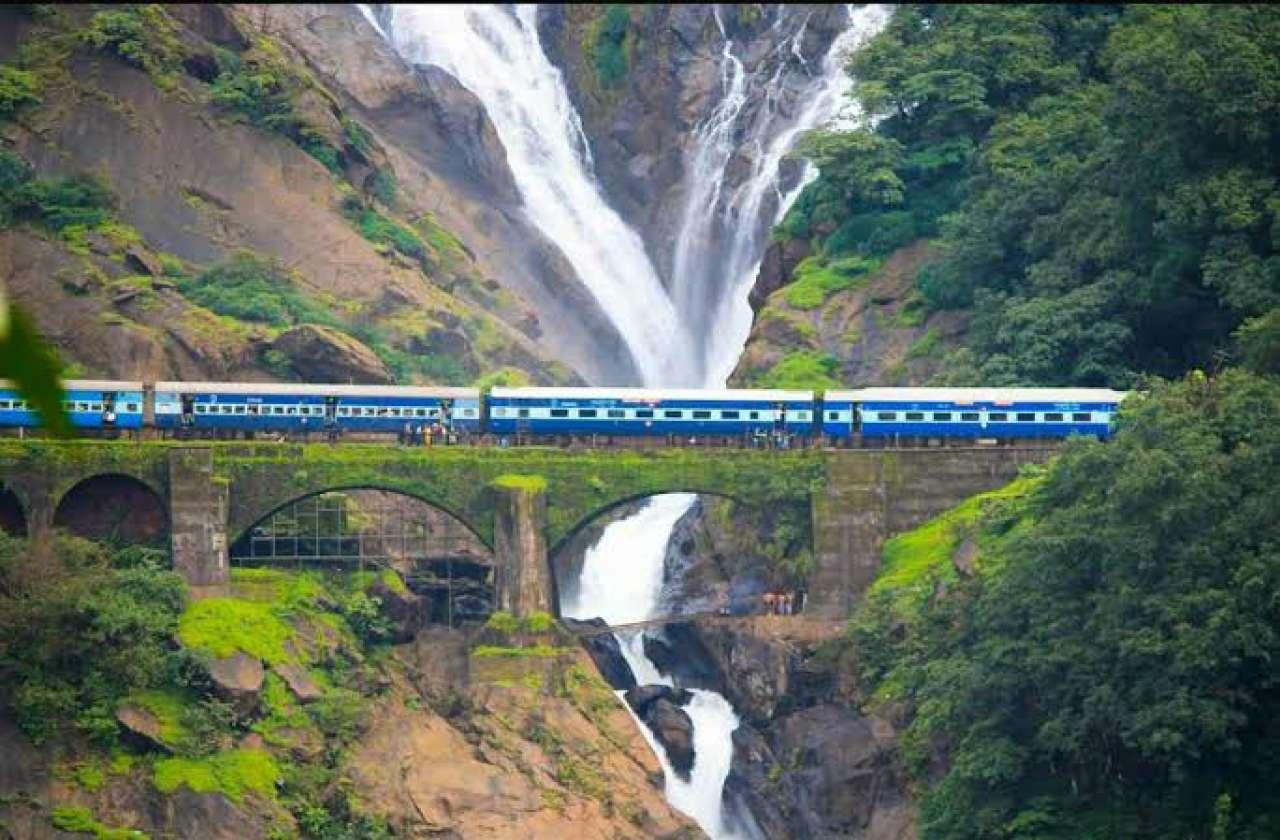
column 330, row 411
column 188, row 410
column 109, row 409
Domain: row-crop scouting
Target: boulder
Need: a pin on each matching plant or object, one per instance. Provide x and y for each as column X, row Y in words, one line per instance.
column 642, row 697
column 238, row 680
column 142, row 260
column 141, row 727
column 672, row 728
column 406, row 610
column 677, row 649
column 302, row 686
column 322, row 354
column 604, row 650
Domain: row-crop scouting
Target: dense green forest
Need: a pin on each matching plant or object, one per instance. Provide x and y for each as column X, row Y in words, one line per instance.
column 1101, row 181
column 1109, row 670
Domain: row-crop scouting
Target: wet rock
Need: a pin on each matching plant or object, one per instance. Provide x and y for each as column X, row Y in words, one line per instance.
column 673, row 728
column 678, row 650
column 238, row 680
column 604, row 650
column 321, row 354
column 642, row 697
column 405, row 610
column 964, row 558
column 141, row 727
column 302, row 686
column 780, row 259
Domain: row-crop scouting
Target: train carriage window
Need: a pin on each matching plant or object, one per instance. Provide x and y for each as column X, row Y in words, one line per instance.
column 559, row 412
column 82, row 406
column 383, row 412
column 95, row 407
column 239, row 409
column 130, row 406
column 914, row 415
column 277, row 409
column 886, row 415
column 802, row 415
column 586, row 412
column 998, row 416
column 833, row 415
column 753, row 415
column 702, row 415
column 420, row 412
column 644, row 413
column 728, row 415
column 1053, row 417
column 253, row 409
column 969, row 416
column 676, row 413
column 942, row 415
column 468, row 412
column 1081, row 417
column 395, row 412
column 1026, row 417
column 617, row 413
column 524, row 412
column 4, row 403
column 200, row 409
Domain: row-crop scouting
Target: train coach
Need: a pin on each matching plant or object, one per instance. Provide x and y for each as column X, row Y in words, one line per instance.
column 274, row 407
column 648, row 411
column 1000, row 413
column 89, row 403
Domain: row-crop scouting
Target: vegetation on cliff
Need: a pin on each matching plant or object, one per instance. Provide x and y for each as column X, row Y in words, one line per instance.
column 1102, row 665
column 1099, row 181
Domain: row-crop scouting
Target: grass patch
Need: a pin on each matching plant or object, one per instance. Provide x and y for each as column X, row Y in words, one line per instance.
column 223, row 626
column 232, row 773
column 531, row 652
column 817, row 278
column 913, row 559
column 168, row 706
column 81, row 821
column 926, row 345
column 802, row 369
column 512, row 481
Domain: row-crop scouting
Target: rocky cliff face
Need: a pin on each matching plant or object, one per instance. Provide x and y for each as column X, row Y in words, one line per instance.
column 195, row 180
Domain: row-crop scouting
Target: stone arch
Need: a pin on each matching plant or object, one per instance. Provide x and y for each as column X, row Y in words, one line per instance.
column 441, row 556
column 13, row 514
column 114, row 507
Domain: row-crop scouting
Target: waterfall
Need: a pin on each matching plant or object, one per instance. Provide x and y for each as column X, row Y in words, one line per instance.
column 621, row 583
column 721, row 238
column 495, row 53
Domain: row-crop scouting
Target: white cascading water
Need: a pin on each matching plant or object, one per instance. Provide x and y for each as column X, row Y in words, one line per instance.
column 621, row 581
column 495, row 53
column 721, row 238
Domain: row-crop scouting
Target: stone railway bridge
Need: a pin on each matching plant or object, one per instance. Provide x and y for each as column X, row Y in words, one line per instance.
column 522, row 503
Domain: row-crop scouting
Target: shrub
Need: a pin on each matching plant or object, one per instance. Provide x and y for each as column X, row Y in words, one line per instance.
column 503, row 622
column 383, row 186
column 251, row 288
column 58, row 203
column 609, row 47
column 76, row 636
column 876, row 234
column 232, row 773
column 142, row 35
column 341, row 714
column 382, row 231
column 18, row 89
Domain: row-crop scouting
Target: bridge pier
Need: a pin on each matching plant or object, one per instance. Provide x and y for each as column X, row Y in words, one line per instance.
column 522, row 574
column 198, row 518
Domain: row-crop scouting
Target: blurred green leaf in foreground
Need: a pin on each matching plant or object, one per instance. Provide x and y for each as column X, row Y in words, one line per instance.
column 32, row 365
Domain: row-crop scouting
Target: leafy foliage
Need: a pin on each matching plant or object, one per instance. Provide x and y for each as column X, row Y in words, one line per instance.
column 802, row 369
column 816, row 278
column 252, row 288
column 609, row 46
column 18, row 89
column 1101, row 179
column 1109, row 670
column 77, row 635
column 142, row 35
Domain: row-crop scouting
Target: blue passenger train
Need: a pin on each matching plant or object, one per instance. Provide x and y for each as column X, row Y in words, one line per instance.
column 866, row 416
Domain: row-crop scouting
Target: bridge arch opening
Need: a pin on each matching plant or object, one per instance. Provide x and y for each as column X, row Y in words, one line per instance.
column 703, row 553
column 439, row 556
column 13, row 519
column 114, row 508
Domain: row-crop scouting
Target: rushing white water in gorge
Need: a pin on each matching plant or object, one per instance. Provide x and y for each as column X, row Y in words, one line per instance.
column 495, row 54
column 621, row 581
column 721, row 238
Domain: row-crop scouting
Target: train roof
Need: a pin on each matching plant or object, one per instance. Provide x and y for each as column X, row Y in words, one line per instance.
column 1008, row 395
column 85, row 385
column 627, row 393
column 296, row 389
